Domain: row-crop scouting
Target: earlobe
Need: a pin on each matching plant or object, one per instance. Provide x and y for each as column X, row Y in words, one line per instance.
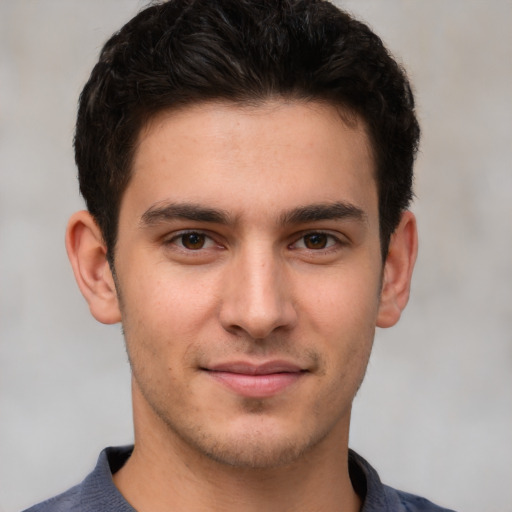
column 403, row 248
column 87, row 254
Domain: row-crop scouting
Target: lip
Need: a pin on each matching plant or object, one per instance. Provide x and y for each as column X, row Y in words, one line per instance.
column 256, row 380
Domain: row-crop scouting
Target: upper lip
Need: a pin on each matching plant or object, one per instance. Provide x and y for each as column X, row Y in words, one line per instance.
column 248, row 368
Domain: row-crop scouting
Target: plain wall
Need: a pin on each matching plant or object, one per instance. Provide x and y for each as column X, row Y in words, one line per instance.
column 434, row 415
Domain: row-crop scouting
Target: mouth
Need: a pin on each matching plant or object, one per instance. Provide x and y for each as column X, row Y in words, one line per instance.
column 256, row 380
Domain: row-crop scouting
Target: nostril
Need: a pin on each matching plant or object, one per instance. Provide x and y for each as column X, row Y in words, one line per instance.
column 258, row 324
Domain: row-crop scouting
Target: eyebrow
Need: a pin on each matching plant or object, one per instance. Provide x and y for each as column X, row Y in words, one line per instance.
column 323, row 211
column 165, row 212
column 188, row 211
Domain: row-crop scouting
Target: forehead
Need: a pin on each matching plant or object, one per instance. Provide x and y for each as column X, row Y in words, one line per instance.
column 239, row 157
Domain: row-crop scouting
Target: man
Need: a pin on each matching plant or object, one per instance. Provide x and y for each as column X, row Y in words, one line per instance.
column 247, row 168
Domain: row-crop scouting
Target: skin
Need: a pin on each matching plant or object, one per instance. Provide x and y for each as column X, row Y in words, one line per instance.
column 248, row 242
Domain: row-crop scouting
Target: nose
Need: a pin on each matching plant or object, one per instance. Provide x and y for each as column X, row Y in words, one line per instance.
column 257, row 297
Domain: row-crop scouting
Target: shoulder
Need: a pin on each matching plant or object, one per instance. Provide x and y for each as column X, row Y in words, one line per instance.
column 382, row 498
column 411, row 502
column 97, row 492
column 68, row 501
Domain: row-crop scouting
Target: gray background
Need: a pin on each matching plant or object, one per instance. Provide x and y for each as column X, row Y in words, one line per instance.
column 435, row 413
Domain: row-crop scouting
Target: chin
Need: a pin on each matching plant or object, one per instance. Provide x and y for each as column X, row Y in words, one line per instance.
column 253, row 448
column 254, row 455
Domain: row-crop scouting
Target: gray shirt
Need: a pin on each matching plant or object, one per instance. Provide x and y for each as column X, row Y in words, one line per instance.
column 97, row 493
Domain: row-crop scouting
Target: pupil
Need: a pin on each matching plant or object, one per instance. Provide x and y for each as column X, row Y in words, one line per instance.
column 193, row 241
column 316, row 241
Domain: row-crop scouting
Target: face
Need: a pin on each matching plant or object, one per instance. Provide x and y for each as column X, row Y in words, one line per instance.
column 249, row 272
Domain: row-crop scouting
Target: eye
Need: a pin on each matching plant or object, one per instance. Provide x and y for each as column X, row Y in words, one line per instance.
column 316, row 241
column 193, row 241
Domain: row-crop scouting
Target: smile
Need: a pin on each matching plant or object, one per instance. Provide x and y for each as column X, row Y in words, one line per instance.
column 256, row 381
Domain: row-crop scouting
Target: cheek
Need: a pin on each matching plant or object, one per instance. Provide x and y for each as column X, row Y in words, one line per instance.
column 343, row 302
column 343, row 316
column 165, row 298
column 165, row 313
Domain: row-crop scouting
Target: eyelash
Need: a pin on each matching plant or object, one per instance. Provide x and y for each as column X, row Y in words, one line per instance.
column 177, row 237
column 332, row 242
column 325, row 237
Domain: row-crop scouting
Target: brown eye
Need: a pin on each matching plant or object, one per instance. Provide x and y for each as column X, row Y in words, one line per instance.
column 316, row 241
column 193, row 241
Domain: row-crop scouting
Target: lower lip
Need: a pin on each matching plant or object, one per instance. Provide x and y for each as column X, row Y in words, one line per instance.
column 257, row 386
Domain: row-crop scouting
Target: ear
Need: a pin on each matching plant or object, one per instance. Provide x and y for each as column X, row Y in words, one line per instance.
column 88, row 256
column 398, row 267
